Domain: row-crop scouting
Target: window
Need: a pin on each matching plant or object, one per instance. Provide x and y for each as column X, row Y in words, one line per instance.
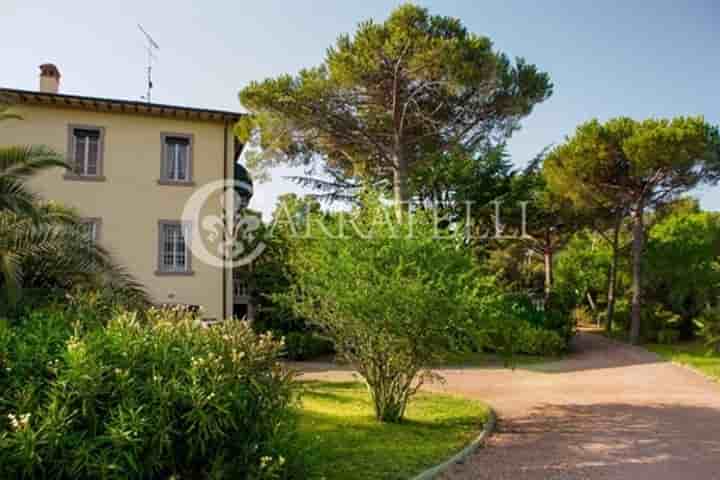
column 90, row 229
column 176, row 159
column 85, row 152
column 174, row 252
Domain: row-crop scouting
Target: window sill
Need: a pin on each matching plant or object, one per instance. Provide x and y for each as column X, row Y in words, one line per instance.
column 84, row 178
column 162, row 273
column 176, row 183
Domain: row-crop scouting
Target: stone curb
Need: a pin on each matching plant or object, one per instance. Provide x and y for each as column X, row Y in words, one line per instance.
column 463, row 454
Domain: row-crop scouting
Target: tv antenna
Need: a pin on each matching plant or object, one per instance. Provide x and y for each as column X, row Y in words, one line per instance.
column 150, row 47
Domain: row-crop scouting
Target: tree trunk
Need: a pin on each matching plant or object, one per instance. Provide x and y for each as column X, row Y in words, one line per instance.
column 612, row 275
column 400, row 188
column 638, row 245
column 591, row 302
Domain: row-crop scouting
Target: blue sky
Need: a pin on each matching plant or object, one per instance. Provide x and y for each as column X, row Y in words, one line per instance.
column 636, row 58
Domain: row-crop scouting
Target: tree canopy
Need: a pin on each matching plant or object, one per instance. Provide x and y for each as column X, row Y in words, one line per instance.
column 632, row 166
column 391, row 97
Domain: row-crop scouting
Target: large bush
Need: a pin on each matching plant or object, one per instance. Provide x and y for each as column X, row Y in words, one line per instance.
column 389, row 294
column 510, row 324
column 145, row 401
column 271, row 275
column 682, row 265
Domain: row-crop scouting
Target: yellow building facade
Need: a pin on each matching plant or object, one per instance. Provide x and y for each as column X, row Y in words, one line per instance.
column 135, row 166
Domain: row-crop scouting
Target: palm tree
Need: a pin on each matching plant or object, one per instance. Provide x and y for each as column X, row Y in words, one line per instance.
column 41, row 244
column 17, row 165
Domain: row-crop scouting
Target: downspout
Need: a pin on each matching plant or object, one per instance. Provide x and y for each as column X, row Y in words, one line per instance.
column 224, row 267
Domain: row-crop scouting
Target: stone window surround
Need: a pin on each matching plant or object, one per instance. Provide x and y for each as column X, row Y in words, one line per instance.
column 163, row 180
column 98, row 226
column 188, row 252
column 71, row 175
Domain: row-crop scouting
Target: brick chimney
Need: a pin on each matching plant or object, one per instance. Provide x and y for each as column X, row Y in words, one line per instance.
column 49, row 78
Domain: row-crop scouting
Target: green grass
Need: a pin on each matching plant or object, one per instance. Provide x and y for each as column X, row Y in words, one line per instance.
column 344, row 441
column 691, row 354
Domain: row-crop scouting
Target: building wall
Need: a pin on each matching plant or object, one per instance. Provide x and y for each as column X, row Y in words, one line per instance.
column 130, row 202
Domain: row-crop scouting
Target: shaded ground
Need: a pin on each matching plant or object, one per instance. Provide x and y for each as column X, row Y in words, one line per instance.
column 606, row 411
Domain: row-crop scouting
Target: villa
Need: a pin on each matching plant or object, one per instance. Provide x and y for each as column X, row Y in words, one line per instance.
column 135, row 166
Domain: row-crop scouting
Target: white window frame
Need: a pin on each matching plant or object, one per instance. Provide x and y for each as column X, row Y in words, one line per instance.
column 80, row 170
column 175, row 268
column 171, row 156
column 94, row 224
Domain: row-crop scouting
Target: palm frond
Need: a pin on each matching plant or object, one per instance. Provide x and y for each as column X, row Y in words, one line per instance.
column 15, row 197
column 54, row 254
column 17, row 164
column 22, row 162
column 9, row 270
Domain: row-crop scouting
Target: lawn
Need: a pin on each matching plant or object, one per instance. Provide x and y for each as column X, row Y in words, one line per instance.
column 344, row 441
column 691, row 354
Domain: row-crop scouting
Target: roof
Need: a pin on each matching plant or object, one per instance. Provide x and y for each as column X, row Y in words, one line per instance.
column 114, row 105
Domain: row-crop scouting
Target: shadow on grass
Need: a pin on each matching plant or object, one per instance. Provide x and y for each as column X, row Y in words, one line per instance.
column 335, row 392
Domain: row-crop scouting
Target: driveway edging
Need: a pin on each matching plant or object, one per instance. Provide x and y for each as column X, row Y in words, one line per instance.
column 463, row 454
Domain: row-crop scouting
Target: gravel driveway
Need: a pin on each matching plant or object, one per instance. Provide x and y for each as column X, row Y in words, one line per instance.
column 606, row 411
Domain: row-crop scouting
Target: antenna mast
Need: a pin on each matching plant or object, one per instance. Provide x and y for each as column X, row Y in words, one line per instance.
column 151, row 47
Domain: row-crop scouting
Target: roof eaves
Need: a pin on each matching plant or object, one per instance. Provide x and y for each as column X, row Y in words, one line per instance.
column 126, row 106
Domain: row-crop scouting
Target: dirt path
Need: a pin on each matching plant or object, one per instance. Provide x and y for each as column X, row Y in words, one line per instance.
column 607, row 411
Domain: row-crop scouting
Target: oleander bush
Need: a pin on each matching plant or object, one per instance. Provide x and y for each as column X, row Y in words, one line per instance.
column 162, row 398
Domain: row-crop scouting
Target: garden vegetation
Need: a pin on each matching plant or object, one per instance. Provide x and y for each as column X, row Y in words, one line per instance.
column 445, row 248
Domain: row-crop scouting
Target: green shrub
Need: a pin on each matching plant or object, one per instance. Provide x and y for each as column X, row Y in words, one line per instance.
column 306, row 345
column 515, row 325
column 657, row 320
column 621, row 317
column 387, row 293
column 511, row 324
column 532, row 340
column 90, row 307
column 709, row 328
column 142, row 400
column 668, row 336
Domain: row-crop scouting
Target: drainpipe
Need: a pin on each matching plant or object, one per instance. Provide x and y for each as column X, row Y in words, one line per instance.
column 224, row 267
